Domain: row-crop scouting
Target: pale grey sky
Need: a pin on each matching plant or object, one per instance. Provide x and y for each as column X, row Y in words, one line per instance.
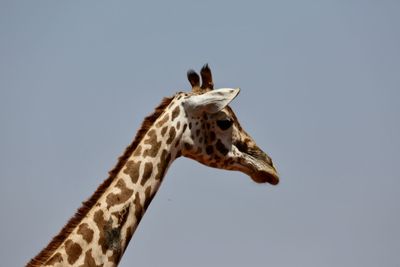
column 320, row 93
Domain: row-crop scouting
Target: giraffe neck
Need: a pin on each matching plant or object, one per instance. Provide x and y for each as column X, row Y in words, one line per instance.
column 103, row 234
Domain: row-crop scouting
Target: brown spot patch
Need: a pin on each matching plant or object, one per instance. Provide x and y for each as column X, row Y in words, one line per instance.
column 89, row 260
column 101, row 223
column 162, row 121
column 138, row 151
column 155, row 145
column 138, row 207
column 177, row 142
column 148, row 197
column 172, row 134
column 115, row 199
column 132, row 169
column 212, row 136
column 221, row 147
column 85, row 232
column 115, row 257
column 148, row 169
column 164, row 130
column 151, row 137
column 55, row 259
column 162, row 165
column 175, row 113
column 209, row 150
column 73, row 251
column 129, row 234
column 184, row 128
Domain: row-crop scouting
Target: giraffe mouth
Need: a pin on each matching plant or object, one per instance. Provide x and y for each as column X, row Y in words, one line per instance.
column 265, row 177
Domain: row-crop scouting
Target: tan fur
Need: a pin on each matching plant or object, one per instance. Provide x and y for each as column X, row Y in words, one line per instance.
column 46, row 253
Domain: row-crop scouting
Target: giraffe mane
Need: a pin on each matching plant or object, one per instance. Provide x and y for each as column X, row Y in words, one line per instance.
column 48, row 251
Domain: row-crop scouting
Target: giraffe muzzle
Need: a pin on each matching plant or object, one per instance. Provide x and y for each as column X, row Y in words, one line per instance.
column 258, row 165
column 268, row 175
column 262, row 171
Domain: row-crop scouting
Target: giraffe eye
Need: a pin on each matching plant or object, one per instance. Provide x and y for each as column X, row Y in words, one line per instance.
column 224, row 124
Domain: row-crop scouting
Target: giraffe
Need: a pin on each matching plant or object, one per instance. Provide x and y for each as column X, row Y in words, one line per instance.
column 198, row 124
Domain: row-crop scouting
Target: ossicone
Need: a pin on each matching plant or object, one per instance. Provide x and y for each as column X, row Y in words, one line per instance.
column 193, row 78
column 206, row 78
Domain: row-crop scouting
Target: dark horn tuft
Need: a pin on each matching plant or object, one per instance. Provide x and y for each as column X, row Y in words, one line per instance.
column 206, row 77
column 193, row 78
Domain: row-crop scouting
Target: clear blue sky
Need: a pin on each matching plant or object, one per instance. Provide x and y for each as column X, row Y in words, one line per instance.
column 320, row 93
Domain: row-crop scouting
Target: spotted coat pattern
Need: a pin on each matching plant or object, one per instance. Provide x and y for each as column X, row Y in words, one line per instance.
column 102, row 235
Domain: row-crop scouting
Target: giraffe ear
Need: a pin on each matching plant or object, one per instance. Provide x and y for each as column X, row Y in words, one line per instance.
column 211, row 101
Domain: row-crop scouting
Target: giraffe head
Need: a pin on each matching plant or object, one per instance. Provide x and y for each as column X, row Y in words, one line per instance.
column 215, row 137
